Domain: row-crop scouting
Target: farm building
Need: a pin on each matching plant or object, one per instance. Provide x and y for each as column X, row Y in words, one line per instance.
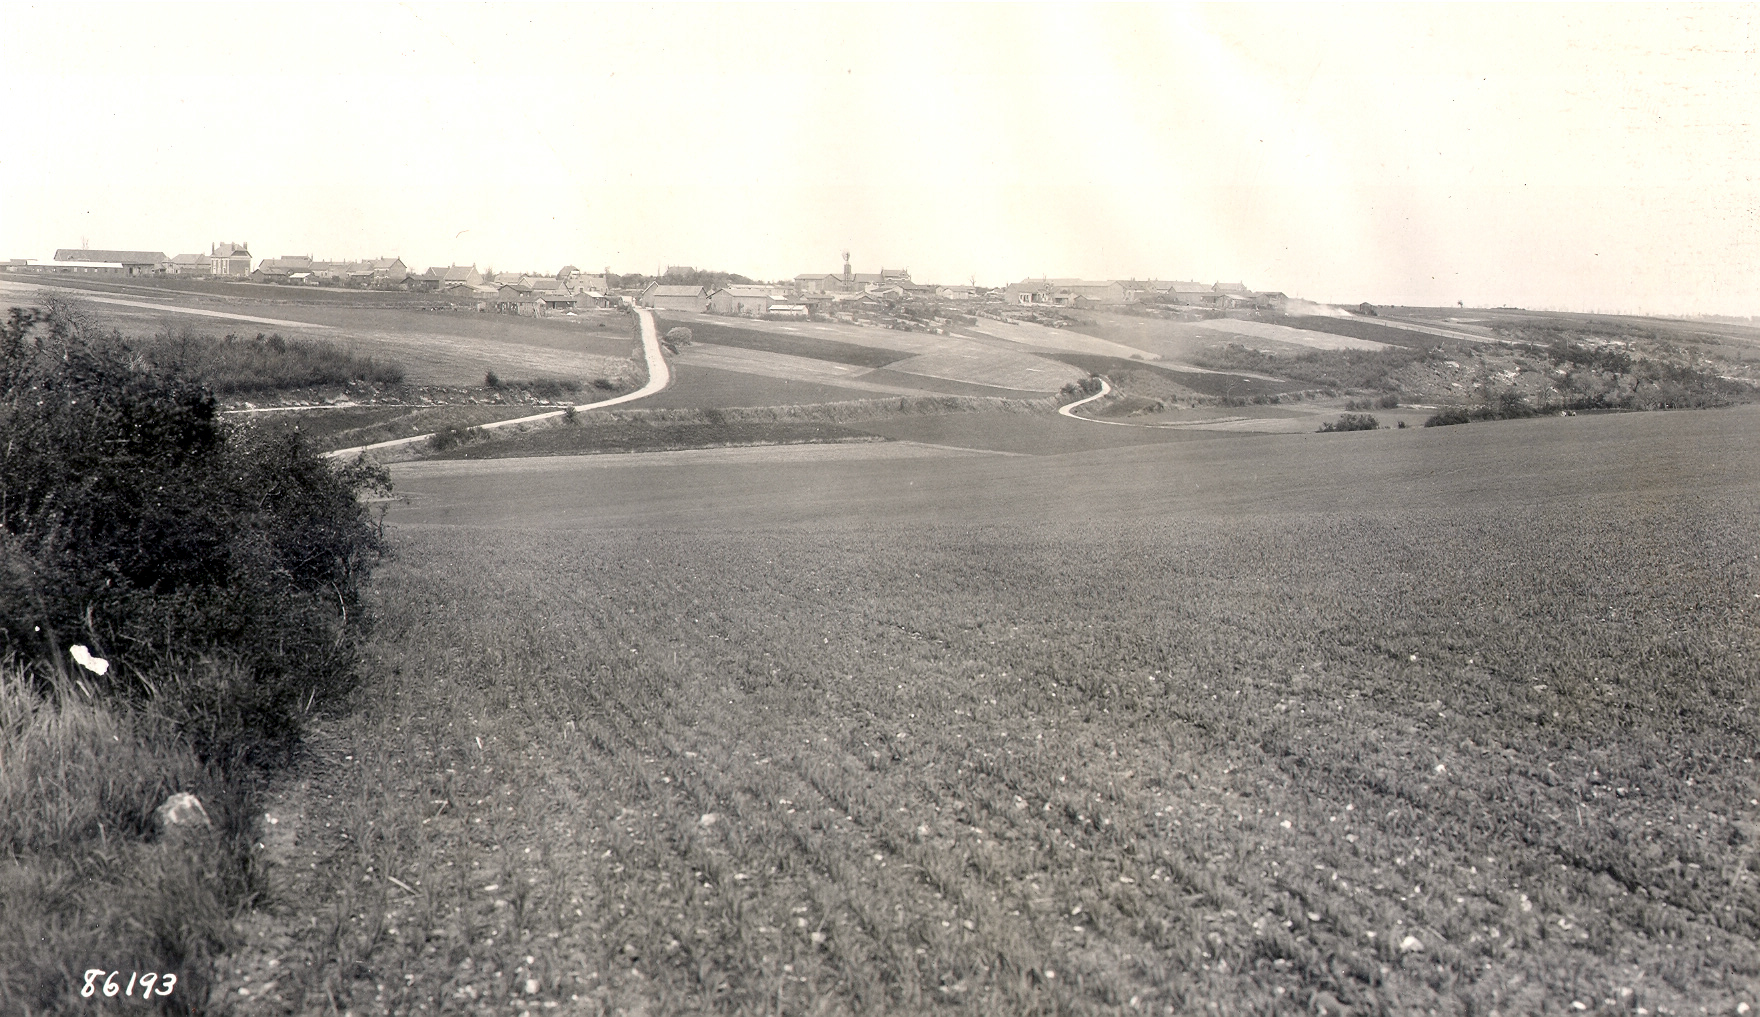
column 230, row 261
column 1188, row 293
column 388, row 271
column 278, row 270
column 1065, row 293
column 190, row 264
column 77, row 267
column 585, row 282
column 136, row 262
column 850, row 281
column 674, row 298
column 790, row 311
column 751, row 301
column 456, row 275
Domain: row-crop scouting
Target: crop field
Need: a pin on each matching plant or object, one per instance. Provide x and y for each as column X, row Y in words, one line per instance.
column 781, row 365
column 695, row 386
column 1357, row 723
column 972, row 360
column 794, row 344
column 989, row 367
column 444, row 347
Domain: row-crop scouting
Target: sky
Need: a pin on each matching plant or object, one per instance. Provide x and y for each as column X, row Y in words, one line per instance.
column 1566, row 157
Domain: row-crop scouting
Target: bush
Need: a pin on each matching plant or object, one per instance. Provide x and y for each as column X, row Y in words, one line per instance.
column 1447, row 417
column 1352, row 422
column 1506, row 405
column 216, row 569
column 203, row 559
column 452, row 437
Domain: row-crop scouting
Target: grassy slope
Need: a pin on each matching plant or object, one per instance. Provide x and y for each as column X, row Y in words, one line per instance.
column 1050, row 736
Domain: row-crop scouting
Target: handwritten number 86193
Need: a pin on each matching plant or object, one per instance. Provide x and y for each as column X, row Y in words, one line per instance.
column 150, row 983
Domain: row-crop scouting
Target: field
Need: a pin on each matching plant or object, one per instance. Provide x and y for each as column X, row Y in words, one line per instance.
column 919, row 359
column 439, row 347
column 1362, row 723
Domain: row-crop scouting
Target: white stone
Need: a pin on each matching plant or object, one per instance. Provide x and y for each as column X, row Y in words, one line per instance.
column 180, row 812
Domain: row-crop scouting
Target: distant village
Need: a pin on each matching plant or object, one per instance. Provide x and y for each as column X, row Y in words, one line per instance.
column 888, row 297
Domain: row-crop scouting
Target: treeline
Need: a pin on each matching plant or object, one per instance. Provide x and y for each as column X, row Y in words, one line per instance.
column 682, row 275
column 177, row 595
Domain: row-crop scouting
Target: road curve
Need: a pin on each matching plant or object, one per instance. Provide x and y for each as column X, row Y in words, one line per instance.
column 1069, row 410
column 659, row 376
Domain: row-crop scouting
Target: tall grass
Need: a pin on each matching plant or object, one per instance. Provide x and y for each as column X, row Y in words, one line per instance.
column 216, row 569
column 84, row 881
column 241, row 365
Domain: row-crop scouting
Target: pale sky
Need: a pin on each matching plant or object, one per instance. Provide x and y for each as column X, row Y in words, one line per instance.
column 1585, row 158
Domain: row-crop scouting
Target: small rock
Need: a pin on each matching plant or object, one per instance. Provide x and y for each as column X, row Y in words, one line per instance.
column 709, row 819
column 181, row 813
column 1410, row 944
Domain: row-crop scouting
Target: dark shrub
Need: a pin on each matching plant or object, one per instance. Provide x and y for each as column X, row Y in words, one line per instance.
column 1352, row 422
column 551, row 389
column 1447, row 417
column 134, row 521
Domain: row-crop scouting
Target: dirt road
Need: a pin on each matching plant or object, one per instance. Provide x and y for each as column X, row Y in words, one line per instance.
column 659, row 376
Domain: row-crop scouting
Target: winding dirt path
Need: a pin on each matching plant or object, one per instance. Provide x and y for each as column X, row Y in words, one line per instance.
column 659, row 376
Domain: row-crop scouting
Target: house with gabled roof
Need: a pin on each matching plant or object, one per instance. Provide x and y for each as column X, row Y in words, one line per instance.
column 189, row 264
column 1188, row 293
column 388, row 271
column 748, row 301
column 458, row 275
column 230, row 261
column 281, row 270
column 674, row 298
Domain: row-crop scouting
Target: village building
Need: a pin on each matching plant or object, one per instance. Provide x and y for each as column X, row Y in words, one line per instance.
column 748, row 301
column 190, row 264
column 76, row 267
column 1193, row 293
column 850, row 281
column 230, row 261
column 457, row 275
column 674, row 298
column 388, row 271
column 280, row 270
column 581, row 283
column 1065, row 293
column 134, row 262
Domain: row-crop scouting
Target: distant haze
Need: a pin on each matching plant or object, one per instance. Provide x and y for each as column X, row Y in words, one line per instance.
column 1586, row 158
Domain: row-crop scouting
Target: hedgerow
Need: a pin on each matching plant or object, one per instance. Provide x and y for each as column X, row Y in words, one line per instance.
column 216, row 566
column 176, row 595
